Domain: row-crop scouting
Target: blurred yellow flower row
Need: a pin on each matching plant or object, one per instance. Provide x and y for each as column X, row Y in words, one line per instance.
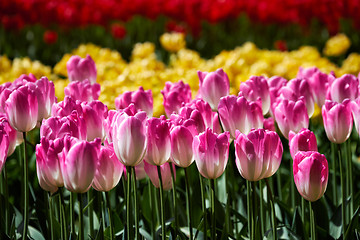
column 144, row 69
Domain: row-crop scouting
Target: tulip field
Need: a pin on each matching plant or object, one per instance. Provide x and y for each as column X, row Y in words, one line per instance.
column 179, row 119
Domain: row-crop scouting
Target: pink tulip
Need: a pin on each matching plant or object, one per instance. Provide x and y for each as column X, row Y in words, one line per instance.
column 211, row 152
column 151, row 171
column 4, row 146
column 291, row 115
column 269, row 124
column 237, row 113
column 95, row 113
column 80, row 69
column 11, row 133
column 257, row 87
column 190, row 113
column 297, row 88
column 78, row 163
column 48, row 164
column 347, row 86
column 25, row 78
column 213, row 86
column 355, row 108
column 142, row 100
column 258, row 154
column 158, row 141
column 22, row 109
column 108, row 170
column 83, row 91
column 275, row 83
column 182, row 135
column 310, row 174
column 319, row 83
column 45, row 93
column 129, row 137
column 216, row 127
column 304, row 140
column 57, row 127
column 66, row 107
column 175, row 94
column 204, row 109
column 140, row 171
column 5, row 90
column 338, row 120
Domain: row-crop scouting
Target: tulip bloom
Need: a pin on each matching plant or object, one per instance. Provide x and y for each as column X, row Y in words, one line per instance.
column 190, row 113
column 258, row 154
column 108, row 170
column 269, row 124
column 78, row 162
column 310, row 174
column 181, row 145
column 94, row 114
column 304, row 140
column 355, row 108
column 45, row 93
column 275, row 83
column 80, row 69
column 4, row 146
column 237, row 113
column 22, row 109
column 11, row 133
column 338, row 120
column 291, row 115
column 347, row 86
column 48, row 164
column 297, row 88
column 175, row 94
column 213, row 86
column 142, row 100
column 257, row 87
column 66, row 107
column 129, row 137
column 158, row 141
column 83, row 91
column 151, row 171
column 205, row 111
column 211, row 152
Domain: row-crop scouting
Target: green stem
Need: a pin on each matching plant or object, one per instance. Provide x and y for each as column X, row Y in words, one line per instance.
column 51, row 217
column 278, row 184
column 249, row 211
column 152, row 207
column 162, row 212
column 203, row 205
column 188, row 203
column 102, row 210
column 334, row 170
column 91, row 212
column 72, row 214
column 81, row 220
column 350, row 178
column 129, row 227
column 312, row 222
column 343, row 209
column 61, row 218
column 110, row 214
column 292, row 187
column 26, row 191
column 6, row 195
column 262, row 227
column 174, row 198
column 303, row 217
column 253, row 192
column 213, row 219
column 137, row 236
column 272, row 206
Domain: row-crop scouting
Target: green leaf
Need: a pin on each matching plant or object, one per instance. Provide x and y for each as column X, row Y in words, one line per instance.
column 35, row 234
column 297, row 224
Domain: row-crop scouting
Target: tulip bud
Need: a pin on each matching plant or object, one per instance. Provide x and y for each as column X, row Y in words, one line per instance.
column 83, row 91
column 258, row 154
column 78, row 163
column 80, row 69
column 338, row 120
column 94, row 114
column 213, row 86
column 237, row 113
column 108, row 170
column 257, row 87
column 151, row 171
column 304, row 140
column 129, row 137
column 158, row 141
column 211, row 152
column 142, row 100
column 275, row 84
column 269, row 124
column 175, row 94
column 310, row 174
column 181, row 146
column 45, row 93
column 291, row 115
column 347, row 86
column 22, row 109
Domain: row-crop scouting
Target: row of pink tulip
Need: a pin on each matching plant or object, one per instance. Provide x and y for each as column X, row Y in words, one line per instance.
column 72, row 131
